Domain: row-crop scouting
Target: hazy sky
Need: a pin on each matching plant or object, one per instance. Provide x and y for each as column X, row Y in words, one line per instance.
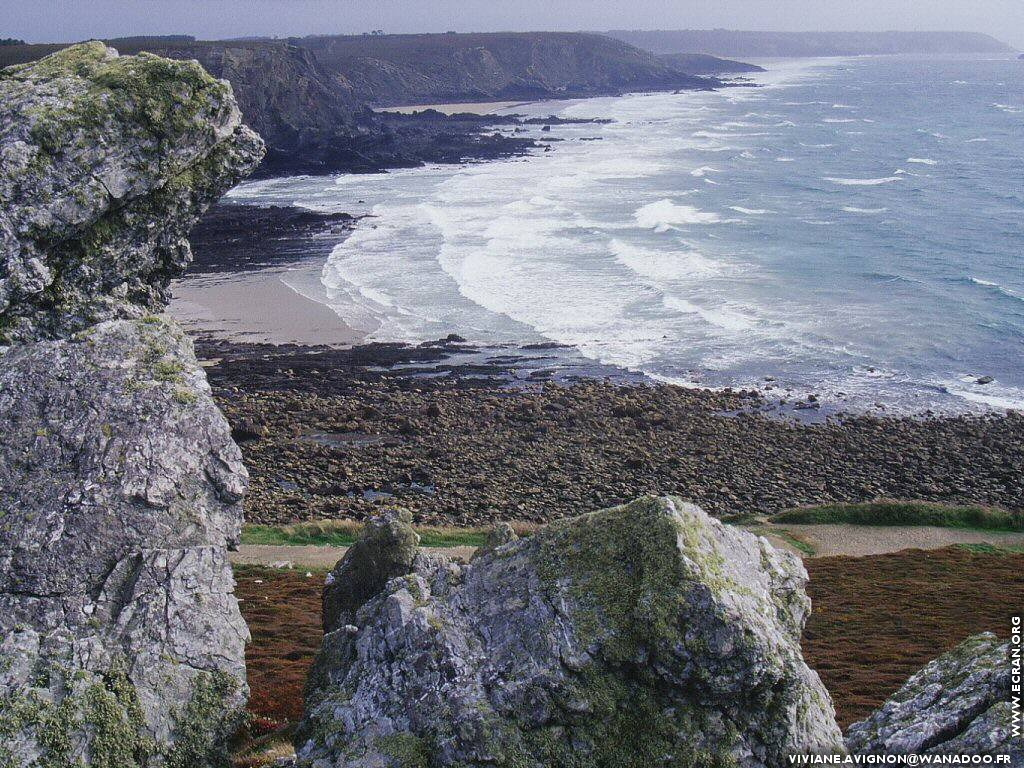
column 64, row 20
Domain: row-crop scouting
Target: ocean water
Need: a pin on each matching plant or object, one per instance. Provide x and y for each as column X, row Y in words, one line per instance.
column 852, row 228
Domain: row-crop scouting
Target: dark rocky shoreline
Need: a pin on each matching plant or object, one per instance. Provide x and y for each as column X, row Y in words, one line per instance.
column 339, row 433
column 244, row 238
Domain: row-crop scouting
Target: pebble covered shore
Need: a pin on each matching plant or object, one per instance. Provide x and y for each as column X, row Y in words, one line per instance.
column 340, row 433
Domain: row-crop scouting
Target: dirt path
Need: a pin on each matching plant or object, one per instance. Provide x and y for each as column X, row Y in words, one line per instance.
column 825, row 540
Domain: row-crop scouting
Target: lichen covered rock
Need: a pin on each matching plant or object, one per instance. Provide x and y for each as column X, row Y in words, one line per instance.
column 957, row 704
column 121, row 642
column 121, row 488
column 106, row 162
column 644, row 635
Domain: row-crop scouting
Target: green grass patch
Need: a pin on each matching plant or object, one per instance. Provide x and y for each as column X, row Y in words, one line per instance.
column 906, row 513
column 343, row 533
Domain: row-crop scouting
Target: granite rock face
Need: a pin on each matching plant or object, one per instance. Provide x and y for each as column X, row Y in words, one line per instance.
column 121, row 643
column 106, row 162
column 957, row 704
column 648, row 634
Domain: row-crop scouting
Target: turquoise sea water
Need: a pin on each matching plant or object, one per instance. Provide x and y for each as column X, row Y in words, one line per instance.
column 851, row 228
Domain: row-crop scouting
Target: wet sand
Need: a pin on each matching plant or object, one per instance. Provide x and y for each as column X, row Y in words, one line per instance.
column 259, row 306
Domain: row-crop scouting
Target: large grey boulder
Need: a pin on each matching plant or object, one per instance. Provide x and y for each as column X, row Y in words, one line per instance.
column 106, row 162
column 645, row 635
column 121, row 488
column 958, row 704
column 121, row 643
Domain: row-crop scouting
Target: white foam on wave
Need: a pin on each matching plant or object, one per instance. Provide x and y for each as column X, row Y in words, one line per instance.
column 997, row 288
column 838, row 120
column 1009, row 108
column 663, row 266
column 749, row 211
column 720, row 317
column 866, row 211
column 863, row 182
column 703, row 170
column 922, row 160
column 991, row 395
column 664, row 215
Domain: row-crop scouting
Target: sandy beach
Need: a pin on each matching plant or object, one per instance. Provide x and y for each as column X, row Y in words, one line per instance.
column 259, row 306
column 256, row 277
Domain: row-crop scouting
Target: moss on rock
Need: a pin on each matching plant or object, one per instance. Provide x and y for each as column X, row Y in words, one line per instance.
column 622, row 566
column 98, row 722
column 405, row 750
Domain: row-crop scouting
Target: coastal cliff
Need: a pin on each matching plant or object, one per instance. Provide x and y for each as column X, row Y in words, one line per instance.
column 389, row 70
column 121, row 642
column 311, row 98
column 703, row 64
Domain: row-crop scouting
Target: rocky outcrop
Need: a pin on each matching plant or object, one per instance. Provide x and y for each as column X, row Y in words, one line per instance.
column 703, row 64
column 386, row 549
column 648, row 634
column 958, row 704
column 106, row 162
column 121, row 643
